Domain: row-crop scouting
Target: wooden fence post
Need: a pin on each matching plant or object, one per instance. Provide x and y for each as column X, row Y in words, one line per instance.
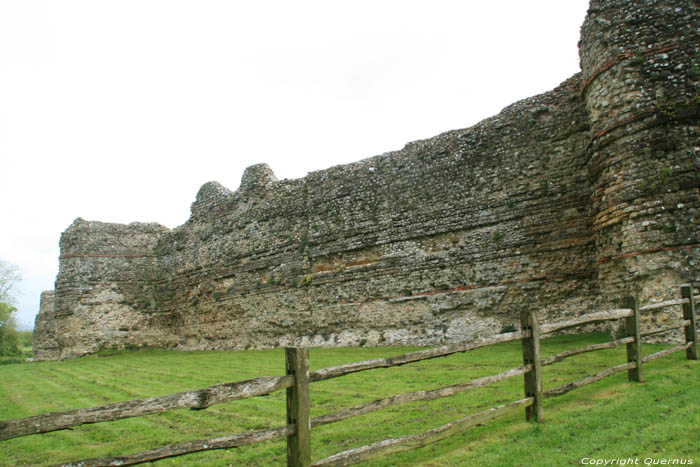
column 691, row 329
column 298, row 407
column 634, row 349
column 531, row 356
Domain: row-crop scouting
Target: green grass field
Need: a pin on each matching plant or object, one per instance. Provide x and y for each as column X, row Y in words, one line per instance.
column 611, row 419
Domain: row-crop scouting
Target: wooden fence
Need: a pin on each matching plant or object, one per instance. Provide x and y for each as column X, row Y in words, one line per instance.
column 297, row 380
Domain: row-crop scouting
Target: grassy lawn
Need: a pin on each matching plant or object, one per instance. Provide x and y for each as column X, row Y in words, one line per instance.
column 658, row 419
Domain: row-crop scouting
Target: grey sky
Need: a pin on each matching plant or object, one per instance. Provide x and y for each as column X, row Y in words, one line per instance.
column 120, row 111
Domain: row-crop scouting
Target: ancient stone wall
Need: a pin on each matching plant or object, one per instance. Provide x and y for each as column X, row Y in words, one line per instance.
column 104, row 289
column 642, row 93
column 44, row 343
column 562, row 202
column 441, row 240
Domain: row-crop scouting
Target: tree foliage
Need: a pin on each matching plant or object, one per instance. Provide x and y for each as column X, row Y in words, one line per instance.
column 9, row 278
column 9, row 336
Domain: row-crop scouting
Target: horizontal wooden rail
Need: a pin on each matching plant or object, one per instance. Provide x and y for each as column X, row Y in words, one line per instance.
column 404, row 443
column 412, row 357
column 243, row 439
column 663, row 353
column 589, row 348
column 197, row 399
column 225, row 392
column 679, row 325
column 589, row 318
column 417, row 396
column 564, row 388
column 173, row 450
column 657, row 306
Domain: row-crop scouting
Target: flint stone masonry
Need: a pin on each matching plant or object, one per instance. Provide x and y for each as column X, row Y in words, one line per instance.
column 563, row 202
column 45, row 345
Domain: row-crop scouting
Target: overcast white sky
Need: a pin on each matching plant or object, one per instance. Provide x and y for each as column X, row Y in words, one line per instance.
column 119, row 111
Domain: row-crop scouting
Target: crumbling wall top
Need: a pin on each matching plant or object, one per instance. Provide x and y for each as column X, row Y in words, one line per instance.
column 257, row 177
column 211, row 194
column 91, row 237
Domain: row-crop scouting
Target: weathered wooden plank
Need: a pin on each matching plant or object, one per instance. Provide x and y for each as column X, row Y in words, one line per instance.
column 664, row 329
column 531, row 356
column 298, row 407
column 564, row 388
column 425, row 395
column 634, row 349
column 341, row 370
column 174, row 450
column 404, row 443
column 690, row 324
column 589, row 318
column 197, row 399
column 663, row 353
column 667, row 303
column 265, row 435
column 589, row 348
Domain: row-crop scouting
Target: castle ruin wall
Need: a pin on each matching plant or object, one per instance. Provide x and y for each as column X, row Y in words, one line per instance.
column 563, row 202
